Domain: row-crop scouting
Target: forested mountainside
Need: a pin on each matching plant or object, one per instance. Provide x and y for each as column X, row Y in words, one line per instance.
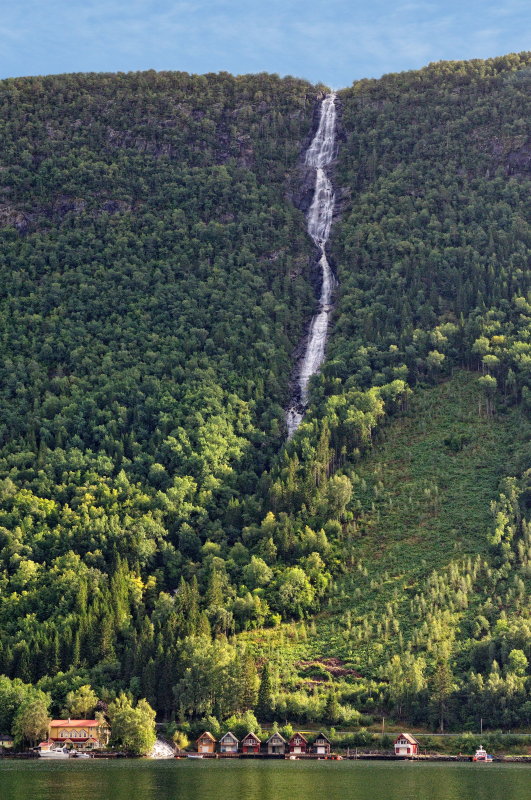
column 432, row 254
column 157, row 533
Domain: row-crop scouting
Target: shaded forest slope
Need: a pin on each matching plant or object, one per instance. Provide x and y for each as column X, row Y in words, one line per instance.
column 155, row 282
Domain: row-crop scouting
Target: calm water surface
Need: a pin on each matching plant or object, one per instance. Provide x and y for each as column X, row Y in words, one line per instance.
column 261, row 780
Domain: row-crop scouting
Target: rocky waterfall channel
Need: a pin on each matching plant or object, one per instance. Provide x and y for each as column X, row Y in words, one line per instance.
column 319, row 156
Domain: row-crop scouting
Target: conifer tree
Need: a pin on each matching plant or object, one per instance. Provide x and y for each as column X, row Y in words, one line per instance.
column 265, row 701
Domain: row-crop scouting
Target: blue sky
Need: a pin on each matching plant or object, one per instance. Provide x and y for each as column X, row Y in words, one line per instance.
column 334, row 41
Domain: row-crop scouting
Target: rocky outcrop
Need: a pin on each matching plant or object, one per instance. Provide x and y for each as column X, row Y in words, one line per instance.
column 512, row 154
column 61, row 206
column 12, row 217
column 64, row 205
column 518, row 162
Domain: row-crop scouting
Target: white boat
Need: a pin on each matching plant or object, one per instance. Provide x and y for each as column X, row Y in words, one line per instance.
column 194, row 755
column 482, row 755
column 56, row 752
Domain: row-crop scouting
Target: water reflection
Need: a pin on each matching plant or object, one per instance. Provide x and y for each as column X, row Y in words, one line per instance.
column 259, row 780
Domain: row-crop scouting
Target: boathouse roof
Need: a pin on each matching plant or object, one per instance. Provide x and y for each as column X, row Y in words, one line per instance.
column 408, row 737
column 276, row 735
column 304, row 739
column 253, row 736
column 229, row 735
column 207, row 735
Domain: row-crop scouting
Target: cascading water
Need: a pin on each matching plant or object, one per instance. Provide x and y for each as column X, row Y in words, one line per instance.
column 319, row 155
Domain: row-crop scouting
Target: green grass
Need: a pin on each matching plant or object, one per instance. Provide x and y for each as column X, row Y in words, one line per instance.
column 434, row 502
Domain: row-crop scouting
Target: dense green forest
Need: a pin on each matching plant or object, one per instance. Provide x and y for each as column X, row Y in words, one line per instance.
column 157, row 534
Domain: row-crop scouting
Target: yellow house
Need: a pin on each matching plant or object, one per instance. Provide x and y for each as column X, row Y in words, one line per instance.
column 79, row 733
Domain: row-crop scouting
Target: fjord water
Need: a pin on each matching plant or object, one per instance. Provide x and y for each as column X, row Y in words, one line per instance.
column 319, row 155
column 261, row 780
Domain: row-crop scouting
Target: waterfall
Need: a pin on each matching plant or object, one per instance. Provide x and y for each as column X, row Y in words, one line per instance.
column 319, row 155
column 162, row 749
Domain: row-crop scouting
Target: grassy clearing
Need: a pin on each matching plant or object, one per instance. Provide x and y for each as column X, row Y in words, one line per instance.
column 431, row 501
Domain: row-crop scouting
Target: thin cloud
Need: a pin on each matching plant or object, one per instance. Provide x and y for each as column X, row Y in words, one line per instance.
column 336, row 41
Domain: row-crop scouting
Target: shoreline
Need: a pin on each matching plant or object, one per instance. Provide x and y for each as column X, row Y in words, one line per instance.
column 436, row 757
